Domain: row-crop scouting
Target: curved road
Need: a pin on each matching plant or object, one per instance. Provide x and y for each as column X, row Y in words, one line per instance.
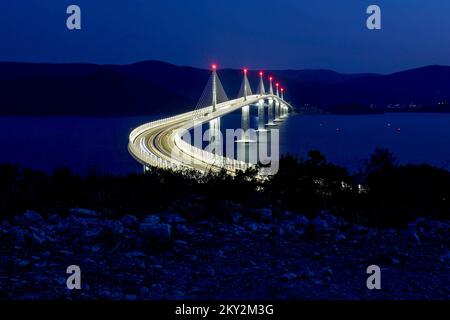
column 154, row 144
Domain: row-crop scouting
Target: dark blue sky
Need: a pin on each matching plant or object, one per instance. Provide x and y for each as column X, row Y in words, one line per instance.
column 295, row 34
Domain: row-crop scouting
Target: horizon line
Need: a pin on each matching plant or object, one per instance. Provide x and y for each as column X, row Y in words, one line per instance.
column 207, row 69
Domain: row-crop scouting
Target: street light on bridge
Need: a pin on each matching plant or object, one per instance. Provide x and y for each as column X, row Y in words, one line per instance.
column 246, row 85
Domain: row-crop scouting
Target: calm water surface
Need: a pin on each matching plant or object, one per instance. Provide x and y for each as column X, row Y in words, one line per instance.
column 101, row 143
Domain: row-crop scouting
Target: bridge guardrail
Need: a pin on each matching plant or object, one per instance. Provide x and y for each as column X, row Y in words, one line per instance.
column 148, row 158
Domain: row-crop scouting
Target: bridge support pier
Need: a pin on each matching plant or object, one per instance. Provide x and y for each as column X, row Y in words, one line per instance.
column 245, row 125
column 215, row 137
column 277, row 110
column 270, row 114
column 261, row 115
column 285, row 111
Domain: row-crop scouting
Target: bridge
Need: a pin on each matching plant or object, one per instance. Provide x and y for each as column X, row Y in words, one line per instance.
column 161, row 143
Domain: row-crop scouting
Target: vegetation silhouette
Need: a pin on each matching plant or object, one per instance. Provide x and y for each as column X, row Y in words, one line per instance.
column 383, row 194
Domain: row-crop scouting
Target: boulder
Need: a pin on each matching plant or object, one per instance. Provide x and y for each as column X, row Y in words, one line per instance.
column 130, row 221
column 155, row 231
column 320, row 224
column 38, row 238
column 252, row 226
column 235, row 216
column 114, row 226
column 172, row 218
column 264, row 214
column 340, row 236
column 151, row 219
column 300, row 220
column 81, row 212
column 182, row 229
column 31, row 217
column 289, row 276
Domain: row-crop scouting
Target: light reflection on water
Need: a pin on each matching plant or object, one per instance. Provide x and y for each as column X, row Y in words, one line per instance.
column 101, row 143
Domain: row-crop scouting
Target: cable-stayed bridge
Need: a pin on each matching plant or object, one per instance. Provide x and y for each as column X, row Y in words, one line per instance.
column 162, row 143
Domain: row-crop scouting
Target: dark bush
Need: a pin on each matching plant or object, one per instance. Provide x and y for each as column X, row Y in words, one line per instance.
column 388, row 195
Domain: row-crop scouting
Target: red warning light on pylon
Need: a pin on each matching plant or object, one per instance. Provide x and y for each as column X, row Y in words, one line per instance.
column 277, row 84
column 245, row 70
column 214, row 66
column 270, row 78
column 282, row 89
column 261, row 73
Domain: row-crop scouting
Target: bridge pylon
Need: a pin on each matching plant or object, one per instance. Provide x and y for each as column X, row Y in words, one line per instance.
column 261, row 89
column 245, row 84
column 270, row 113
column 277, row 85
column 214, row 87
column 245, row 89
column 261, row 115
column 270, row 85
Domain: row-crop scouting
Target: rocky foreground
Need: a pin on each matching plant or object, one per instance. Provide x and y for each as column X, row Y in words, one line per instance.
column 251, row 255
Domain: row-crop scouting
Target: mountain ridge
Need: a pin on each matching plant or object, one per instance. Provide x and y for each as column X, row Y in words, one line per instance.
column 151, row 87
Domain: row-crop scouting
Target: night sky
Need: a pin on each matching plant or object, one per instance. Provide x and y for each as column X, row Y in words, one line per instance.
column 294, row 34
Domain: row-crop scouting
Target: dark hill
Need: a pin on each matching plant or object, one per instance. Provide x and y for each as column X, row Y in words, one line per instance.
column 154, row 87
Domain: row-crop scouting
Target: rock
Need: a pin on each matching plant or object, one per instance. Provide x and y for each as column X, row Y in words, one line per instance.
column 22, row 263
column 181, row 229
column 18, row 235
column 117, row 295
column 411, row 235
column 235, row 217
column 181, row 243
column 252, row 226
column 38, row 238
column 130, row 221
column 40, row 264
column 105, row 294
column 445, row 257
column 436, row 225
column 114, row 226
column 287, row 229
column 327, row 271
column 320, row 224
column 340, row 236
column 307, row 273
column 300, row 220
column 416, row 223
column 31, row 217
column 289, row 276
column 172, row 218
column 93, row 232
column 159, row 231
column 81, row 212
column 264, row 214
column 144, row 291
column 359, row 228
column 54, row 219
column 151, row 219
column 135, row 254
column 178, row 294
column 332, row 221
